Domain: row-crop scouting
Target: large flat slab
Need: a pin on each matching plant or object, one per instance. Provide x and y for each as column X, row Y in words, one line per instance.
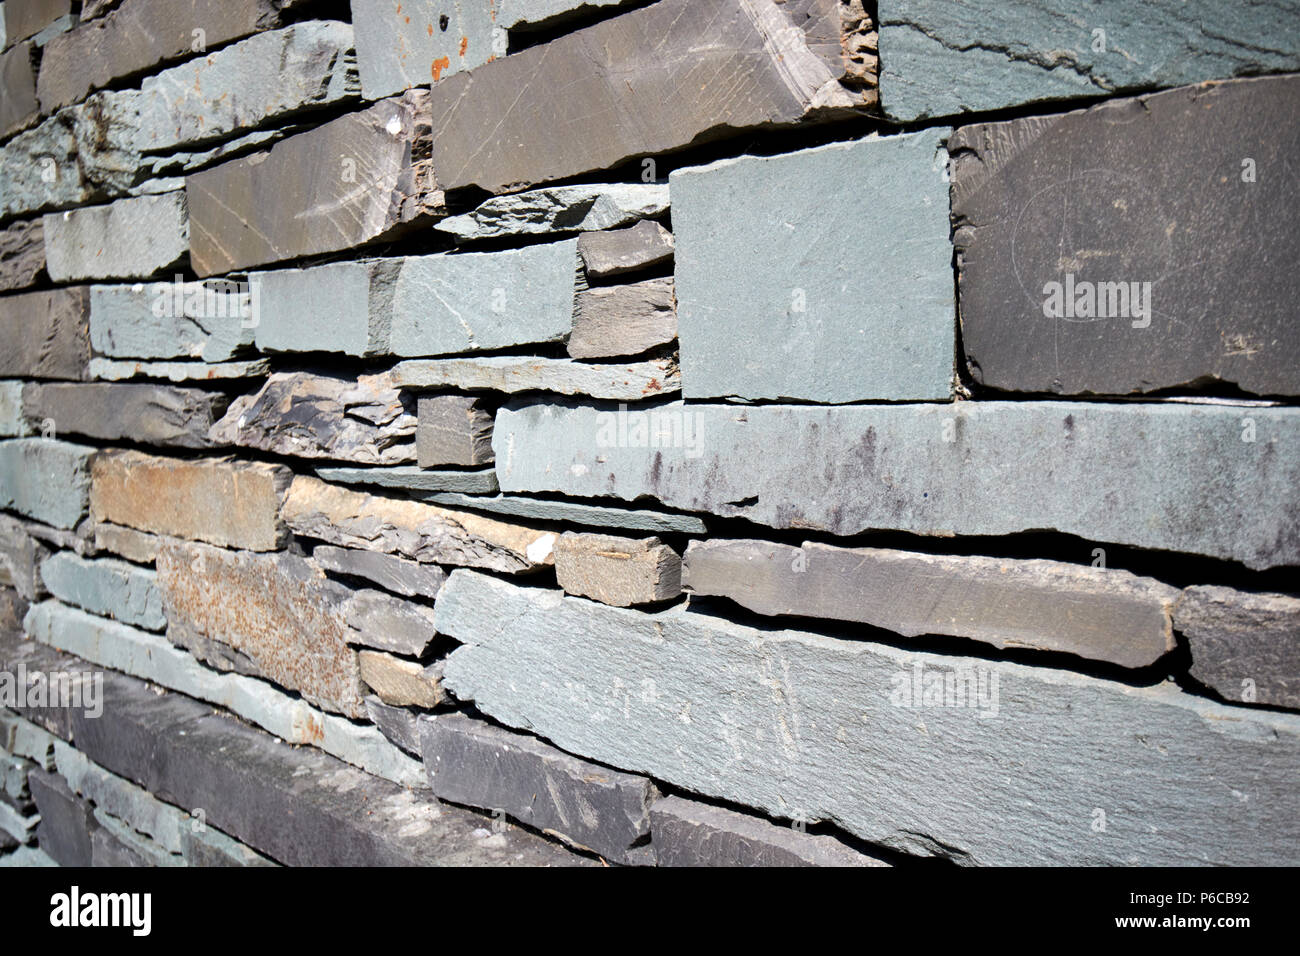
column 417, row 42
column 1149, row 475
column 1074, row 233
column 626, row 382
column 575, row 512
column 760, row 717
column 148, row 414
column 854, row 298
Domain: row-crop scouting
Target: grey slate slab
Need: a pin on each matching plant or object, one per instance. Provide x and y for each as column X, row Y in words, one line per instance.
column 45, row 479
column 453, row 430
column 1149, row 475
column 149, row 414
column 45, row 334
column 18, row 106
column 482, row 481
column 618, row 381
column 399, row 575
column 853, row 299
column 1075, row 231
column 67, row 823
column 131, row 238
column 388, row 623
column 574, row 512
column 107, row 587
column 162, row 320
column 22, row 253
column 580, row 208
column 817, row 729
column 617, row 320
column 418, row 42
column 616, row 251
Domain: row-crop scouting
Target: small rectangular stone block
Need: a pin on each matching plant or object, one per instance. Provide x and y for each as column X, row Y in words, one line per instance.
column 12, row 422
column 46, row 479
column 413, row 479
column 21, row 555
column 1245, row 646
column 801, row 726
column 22, row 253
column 67, row 823
column 131, row 238
column 617, row 251
column 500, row 127
column 628, row 382
column 137, row 546
column 107, row 587
column 574, row 512
column 149, row 414
column 44, row 334
column 1149, row 475
column 855, row 300
column 140, row 34
column 617, row 571
column 114, row 370
column 559, row 209
column 406, row 43
column 354, row 180
column 408, row 578
column 400, row 682
column 472, row 762
column 401, row 725
column 388, row 623
column 211, row 321
column 1096, row 313
column 689, row 833
column 1099, row 613
column 18, row 106
column 621, row 320
column 453, row 430
column 227, row 503
column 939, row 58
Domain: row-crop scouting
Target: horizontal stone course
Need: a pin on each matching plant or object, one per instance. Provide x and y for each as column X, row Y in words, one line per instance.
column 148, row 414
column 481, row 481
column 560, row 209
column 131, row 238
column 164, row 320
column 626, row 382
column 107, row 587
column 46, row 479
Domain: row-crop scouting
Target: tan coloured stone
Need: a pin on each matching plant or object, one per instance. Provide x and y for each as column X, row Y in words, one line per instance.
column 617, row 571
column 402, row 683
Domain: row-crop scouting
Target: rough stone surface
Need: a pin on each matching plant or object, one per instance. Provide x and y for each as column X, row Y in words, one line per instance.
column 296, row 805
column 472, row 762
column 421, row 305
column 574, row 512
column 44, row 334
column 131, row 238
column 510, row 373
column 18, row 106
column 107, row 587
column 406, row 43
column 412, row 529
column 401, row 725
column 22, row 253
column 13, row 425
column 623, row 319
column 1245, row 646
column 318, row 416
column 149, row 414
column 501, row 127
column 453, row 430
column 689, row 833
column 1149, row 475
column 127, row 543
column 277, row 610
column 617, row 571
column 209, row 321
column 262, row 79
column 13, row 606
column 150, row 657
column 761, row 718
column 617, row 251
column 1028, row 51
column 410, row 478
column 26, row 18
column 582, row 208
column 1099, row 613
column 232, row 504
column 354, row 180
column 389, row 623
column 407, row 578
column 113, row 370
column 46, row 479
column 66, row 823
column 402, row 683
column 1125, row 314
column 854, row 302
column 21, row 555
column 140, row 34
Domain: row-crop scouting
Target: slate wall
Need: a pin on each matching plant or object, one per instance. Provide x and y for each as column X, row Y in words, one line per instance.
column 696, row 432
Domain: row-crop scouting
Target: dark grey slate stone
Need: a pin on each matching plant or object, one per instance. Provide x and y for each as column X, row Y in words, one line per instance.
column 412, row 478
column 22, row 253
column 611, row 321
column 45, row 334
column 144, row 413
column 617, row 251
column 401, row 725
column 386, row 622
column 67, row 823
column 1244, row 645
column 453, row 430
column 399, row 575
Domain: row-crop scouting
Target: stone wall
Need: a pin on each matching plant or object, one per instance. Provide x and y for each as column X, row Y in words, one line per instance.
column 695, row 432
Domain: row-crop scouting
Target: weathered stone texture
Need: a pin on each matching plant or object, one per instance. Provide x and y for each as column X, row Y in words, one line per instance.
column 688, row 833
column 361, row 178
column 807, row 727
column 414, row 479
column 1246, row 646
column 46, row 479
column 472, row 762
column 411, row 529
column 131, row 238
column 107, row 587
column 406, row 43
column 501, row 127
column 617, row 571
column 400, row 725
column 226, row 503
column 854, row 300
column 1149, row 475
column 388, row 623
column 408, row 578
column 137, row 546
column 211, row 321
column 617, row 251
column 509, row 373
column 12, row 423
column 150, row 414
column 623, row 319
column 1100, row 613
column 22, row 254
column 400, row 682
column 453, row 430
column 277, row 610
column 318, row 416
column 26, row 18
column 44, row 334
column 577, row 513
column 113, row 370
column 67, row 823
column 18, row 106
column 1112, row 307
column 939, row 58
column 21, row 555
column 581, row 208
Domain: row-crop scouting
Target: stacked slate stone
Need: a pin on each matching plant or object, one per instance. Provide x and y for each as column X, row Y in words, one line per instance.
column 704, row 432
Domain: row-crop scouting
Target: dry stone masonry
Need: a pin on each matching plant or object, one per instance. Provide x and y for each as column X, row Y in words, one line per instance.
column 649, row 432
